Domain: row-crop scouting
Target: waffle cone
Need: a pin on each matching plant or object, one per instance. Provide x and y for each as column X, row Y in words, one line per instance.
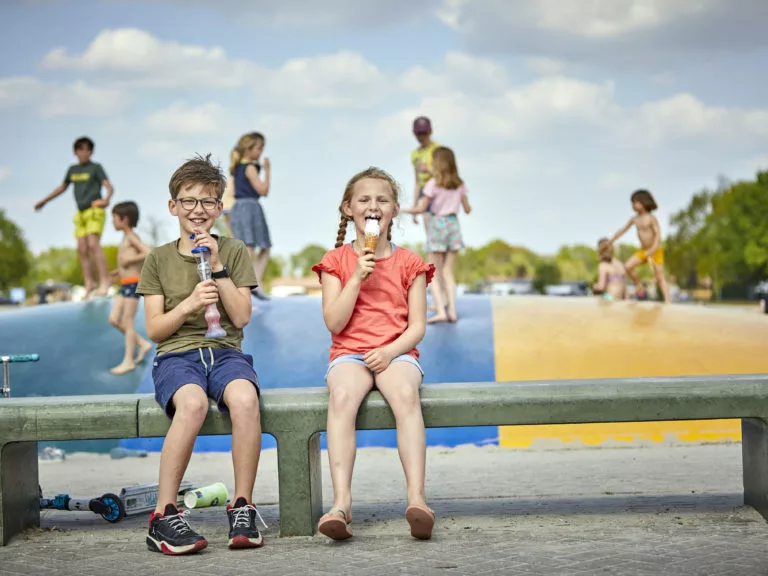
column 371, row 240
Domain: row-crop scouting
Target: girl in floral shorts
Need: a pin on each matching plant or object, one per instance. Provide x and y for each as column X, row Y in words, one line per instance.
column 444, row 194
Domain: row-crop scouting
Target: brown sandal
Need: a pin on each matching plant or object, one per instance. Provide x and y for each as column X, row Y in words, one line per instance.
column 334, row 527
column 421, row 520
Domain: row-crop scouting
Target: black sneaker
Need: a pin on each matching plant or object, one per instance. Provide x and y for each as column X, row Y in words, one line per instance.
column 170, row 533
column 243, row 532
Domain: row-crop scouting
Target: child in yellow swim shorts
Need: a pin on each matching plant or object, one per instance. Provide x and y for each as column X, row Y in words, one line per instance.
column 88, row 178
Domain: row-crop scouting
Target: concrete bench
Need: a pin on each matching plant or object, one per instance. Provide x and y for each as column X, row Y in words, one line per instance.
column 295, row 417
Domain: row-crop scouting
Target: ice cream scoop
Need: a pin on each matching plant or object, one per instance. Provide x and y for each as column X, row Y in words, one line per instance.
column 372, row 231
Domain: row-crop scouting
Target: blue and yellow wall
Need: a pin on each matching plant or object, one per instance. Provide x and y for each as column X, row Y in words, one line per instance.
column 496, row 339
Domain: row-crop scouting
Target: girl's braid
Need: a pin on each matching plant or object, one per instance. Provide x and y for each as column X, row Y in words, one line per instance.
column 342, row 231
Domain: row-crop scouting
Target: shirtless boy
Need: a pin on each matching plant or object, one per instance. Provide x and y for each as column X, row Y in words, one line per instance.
column 649, row 234
column 130, row 256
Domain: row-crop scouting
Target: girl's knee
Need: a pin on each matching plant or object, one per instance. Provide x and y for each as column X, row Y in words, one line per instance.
column 406, row 399
column 341, row 401
column 115, row 321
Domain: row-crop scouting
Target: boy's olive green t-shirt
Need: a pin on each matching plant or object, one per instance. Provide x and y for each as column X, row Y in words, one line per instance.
column 87, row 179
column 173, row 275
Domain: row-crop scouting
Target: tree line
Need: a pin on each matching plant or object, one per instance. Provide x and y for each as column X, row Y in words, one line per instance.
column 721, row 236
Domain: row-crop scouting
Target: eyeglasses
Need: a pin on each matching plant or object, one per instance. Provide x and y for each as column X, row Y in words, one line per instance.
column 190, row 204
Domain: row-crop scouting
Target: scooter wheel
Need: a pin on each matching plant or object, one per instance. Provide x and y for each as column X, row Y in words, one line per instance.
column 115, row 509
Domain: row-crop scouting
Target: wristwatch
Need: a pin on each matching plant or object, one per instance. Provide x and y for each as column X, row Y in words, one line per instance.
column 223, row 273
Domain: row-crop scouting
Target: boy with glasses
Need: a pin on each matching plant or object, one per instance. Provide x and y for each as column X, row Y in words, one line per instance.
column 190, row 368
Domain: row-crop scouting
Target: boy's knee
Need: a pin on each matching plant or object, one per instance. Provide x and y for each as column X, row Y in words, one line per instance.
column 245, row 402
column 193, row 406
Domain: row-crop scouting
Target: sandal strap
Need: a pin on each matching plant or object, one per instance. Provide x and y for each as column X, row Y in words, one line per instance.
column 340, row 511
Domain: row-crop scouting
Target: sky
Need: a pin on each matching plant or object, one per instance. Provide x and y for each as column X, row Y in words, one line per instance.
column 556, row 109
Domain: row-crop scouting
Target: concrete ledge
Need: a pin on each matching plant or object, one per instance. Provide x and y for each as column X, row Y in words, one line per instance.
column 69, row 418
column 295, row 417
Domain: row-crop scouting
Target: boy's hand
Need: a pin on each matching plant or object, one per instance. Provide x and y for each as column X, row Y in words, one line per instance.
column 205, row 239
column 114, row 276
column 377, row 359
column 39, row 205
column 100, row 203
column 365, row 264
column 204, row 293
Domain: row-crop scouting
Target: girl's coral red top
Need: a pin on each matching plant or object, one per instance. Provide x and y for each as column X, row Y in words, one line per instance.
column 381, row 311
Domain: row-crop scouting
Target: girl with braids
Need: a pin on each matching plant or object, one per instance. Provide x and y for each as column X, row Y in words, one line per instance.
column 247, row 219
column 375, row 305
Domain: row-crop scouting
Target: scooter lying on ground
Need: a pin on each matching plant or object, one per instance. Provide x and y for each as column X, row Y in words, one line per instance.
column 132, row 500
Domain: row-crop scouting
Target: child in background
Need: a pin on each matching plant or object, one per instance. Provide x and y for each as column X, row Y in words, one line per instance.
column 445, row 193
column 247, row 219
column 375, row 306
column 649, row 234
column 611, row 282
column 130, row 256
column 88, row 178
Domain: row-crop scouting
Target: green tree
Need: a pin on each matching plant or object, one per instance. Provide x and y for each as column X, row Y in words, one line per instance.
column 577, row 262
column 301, row 263
column 547, row 274
column 14, row 256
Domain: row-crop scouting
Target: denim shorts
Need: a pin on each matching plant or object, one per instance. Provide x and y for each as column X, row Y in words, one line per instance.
column 358, row 359
column 210, row 368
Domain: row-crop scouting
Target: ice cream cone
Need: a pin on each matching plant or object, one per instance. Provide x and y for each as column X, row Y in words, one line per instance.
column 370, row 241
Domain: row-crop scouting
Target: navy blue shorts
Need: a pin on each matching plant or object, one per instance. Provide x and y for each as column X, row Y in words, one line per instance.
column 210, row 368
column 129, row 290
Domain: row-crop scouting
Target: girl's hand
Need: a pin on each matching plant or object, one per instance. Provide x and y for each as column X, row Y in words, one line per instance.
column 377, row 359
column 265, row 164
column 205, row 239
column 365, row 264
column 204, row 293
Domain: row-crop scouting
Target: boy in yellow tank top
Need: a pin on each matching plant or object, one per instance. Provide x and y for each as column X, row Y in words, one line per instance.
column 421, row 158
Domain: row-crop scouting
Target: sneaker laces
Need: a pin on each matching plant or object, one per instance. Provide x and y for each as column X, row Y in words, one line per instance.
column 179, row 522
column 243, row 518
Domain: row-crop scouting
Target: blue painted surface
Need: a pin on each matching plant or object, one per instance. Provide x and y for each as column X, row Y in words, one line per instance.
column 287, row 338
column 77, row 347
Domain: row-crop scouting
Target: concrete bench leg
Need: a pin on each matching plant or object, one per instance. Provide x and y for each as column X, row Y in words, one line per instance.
column 19, row 489
column 301, row 484
column 754, row 455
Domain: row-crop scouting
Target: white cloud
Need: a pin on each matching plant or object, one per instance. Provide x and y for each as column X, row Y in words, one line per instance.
column 458, row 73
column 313, row 14
column 625, row 32
column 5, row 173
column 136, row 58
column 53, row 99
column 562, row 111
column 139, row 58
column 79, row 99
column 545, row 66
column 19, row 91
column 341, row 80
column 182, row 119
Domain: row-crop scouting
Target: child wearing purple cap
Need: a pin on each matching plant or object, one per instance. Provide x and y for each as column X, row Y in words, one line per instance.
column 421, row 158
